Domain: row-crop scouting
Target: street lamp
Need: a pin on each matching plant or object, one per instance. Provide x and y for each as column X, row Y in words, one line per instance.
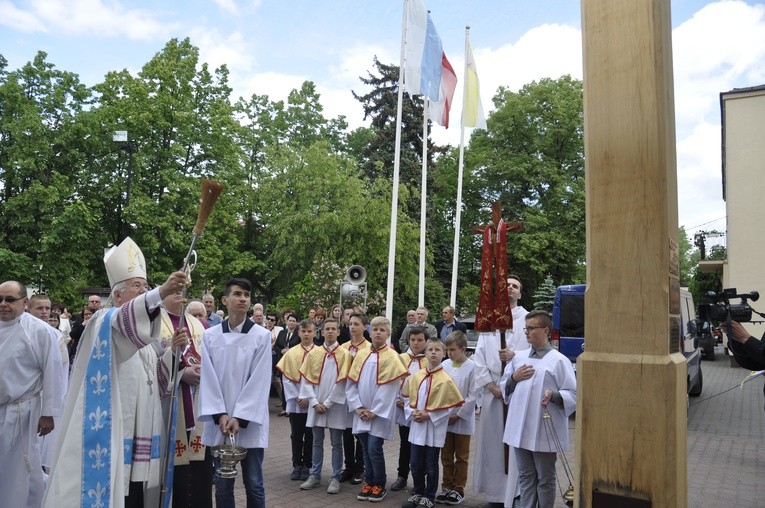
column 121, row 138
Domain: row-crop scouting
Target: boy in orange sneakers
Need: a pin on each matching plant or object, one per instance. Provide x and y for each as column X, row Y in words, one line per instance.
column 371, row 392
column 431, row 396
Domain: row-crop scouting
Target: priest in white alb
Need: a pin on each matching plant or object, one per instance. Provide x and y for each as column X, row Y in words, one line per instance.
column 30, row 396
column 88, row 467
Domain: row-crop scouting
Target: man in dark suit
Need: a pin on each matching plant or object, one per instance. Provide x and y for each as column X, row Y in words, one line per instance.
column 449, row 323
column 287, row 338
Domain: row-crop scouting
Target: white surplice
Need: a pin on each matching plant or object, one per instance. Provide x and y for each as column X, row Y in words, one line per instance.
column 380, row 399
column 431, row 432
column 328, row 392
column 30, row 387
column 489, row 475
column 464, row 378
column 553, row 371
column 235, row 380
column 88, row 466
column 413, row 363
column 49, row 442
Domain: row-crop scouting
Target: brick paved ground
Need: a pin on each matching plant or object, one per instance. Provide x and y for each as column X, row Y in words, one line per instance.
column 726, row 453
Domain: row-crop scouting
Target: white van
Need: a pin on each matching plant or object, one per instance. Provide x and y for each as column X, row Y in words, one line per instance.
column 689, row 342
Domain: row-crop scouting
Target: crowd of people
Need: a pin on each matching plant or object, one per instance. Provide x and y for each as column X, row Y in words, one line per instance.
column 143, row 391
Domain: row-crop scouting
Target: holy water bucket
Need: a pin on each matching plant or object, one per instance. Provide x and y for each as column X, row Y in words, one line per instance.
column 228, row 454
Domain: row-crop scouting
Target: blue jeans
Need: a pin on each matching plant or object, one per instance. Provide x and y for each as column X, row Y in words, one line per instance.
column 252, row 476
column 336, row 438
column 425, row 470
column 374, row 459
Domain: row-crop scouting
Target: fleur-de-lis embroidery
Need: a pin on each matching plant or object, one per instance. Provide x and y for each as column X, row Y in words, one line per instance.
column 99, row 380
column 98, row 418
column 97, row 494
column 98, row 351
column 97, row 455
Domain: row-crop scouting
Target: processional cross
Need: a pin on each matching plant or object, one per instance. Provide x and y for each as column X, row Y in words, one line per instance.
column 494, row 312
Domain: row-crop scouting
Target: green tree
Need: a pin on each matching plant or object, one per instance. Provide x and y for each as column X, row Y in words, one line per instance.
column 544, row 296
column 39, row 153
column 316, row 207
column 531, row 158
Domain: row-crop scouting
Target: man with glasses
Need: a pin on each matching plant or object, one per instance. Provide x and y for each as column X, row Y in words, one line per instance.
column 89, row 466
column 30, row 396
column 490, row 477
column 539, row 381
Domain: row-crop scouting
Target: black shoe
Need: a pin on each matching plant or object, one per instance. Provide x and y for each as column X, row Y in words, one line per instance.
column 442, row 497
column 305, row 473
column 358, row 477
column 378, row 494
column 399, row 484
column 346, row 475
column 296, row 471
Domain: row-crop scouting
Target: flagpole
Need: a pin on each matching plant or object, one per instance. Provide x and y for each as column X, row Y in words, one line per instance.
column 458, row 205
column 424, row 187
column 396, row 167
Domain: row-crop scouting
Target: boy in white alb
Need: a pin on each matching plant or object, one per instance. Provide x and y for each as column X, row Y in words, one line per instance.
column 538, row 380
column 456, row 450
column 414, row 360
column 431, row 395
column 324, row 372
column 373, row 383
column 233, row 392
column 297, row 407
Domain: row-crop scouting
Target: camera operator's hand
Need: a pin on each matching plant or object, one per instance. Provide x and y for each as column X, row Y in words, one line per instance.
column 738, row 332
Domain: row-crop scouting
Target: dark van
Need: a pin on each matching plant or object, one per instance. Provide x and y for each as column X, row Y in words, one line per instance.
column 568, row 330
column 568, row 320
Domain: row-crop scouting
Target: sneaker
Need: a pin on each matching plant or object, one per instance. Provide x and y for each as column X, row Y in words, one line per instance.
column 366, row 489
column 310, row 483
column 334, row 486
column 378, row 494
column 346, row 475
column 453, row 498
column 399, row 484
column 296, row 471
column 358, row 477
column 427, row 503
column 412, row 502
column 305, row 473
column 441, row 498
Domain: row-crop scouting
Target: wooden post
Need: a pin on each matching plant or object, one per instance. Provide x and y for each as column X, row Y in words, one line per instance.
column 632, row 402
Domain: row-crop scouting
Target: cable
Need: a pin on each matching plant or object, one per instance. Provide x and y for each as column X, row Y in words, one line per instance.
column 713, row 396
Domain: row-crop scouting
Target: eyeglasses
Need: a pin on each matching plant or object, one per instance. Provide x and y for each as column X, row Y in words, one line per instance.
column 530, row 329
column 9, row 299
column 271, row 319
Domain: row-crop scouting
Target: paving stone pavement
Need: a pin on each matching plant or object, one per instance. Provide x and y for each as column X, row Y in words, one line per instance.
column 726, row 453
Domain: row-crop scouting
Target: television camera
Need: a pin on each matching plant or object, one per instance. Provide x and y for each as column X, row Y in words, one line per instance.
column 719, row 308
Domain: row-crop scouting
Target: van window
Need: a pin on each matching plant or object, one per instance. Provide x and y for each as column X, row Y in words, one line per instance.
column 571, row 315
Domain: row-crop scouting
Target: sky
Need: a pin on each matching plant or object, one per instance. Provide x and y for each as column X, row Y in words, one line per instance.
column 272, row 46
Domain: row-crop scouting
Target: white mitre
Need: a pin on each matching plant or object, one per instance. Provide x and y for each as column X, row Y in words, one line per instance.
column 124, row 262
